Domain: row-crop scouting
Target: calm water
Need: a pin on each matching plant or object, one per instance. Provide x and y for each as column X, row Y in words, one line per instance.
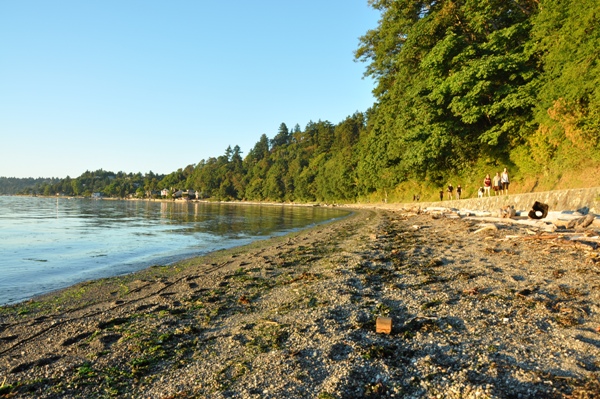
column 51, row 243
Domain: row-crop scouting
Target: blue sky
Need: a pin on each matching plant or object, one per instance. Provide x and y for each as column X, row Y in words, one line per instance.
column 136, row 86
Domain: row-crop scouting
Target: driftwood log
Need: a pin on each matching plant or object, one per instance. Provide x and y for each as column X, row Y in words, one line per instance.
column 540, row 225
column 582, row 222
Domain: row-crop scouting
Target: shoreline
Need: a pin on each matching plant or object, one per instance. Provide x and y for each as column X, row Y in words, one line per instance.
column 565, row 199
column 495, row 313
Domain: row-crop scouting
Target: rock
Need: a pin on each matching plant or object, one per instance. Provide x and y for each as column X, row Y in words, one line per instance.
column 508, row 212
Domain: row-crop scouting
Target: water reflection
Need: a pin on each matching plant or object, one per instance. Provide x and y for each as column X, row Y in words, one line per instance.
column 217, row 218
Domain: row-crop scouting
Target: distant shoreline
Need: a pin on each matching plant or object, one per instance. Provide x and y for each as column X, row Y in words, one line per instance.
column 204, row 201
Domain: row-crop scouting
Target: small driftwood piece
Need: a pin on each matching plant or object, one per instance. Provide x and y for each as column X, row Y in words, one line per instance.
column 545, row 237
column 486, row 227
column 576, row 240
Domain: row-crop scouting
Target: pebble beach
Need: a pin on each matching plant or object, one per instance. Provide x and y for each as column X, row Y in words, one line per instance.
column 504, row 312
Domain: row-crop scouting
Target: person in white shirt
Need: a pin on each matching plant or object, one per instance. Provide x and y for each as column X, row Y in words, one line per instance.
column 505, row 181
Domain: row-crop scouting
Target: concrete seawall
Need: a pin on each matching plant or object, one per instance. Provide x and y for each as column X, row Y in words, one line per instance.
column 558, row 200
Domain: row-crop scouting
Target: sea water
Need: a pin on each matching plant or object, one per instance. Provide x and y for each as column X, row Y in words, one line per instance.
column 51, row 243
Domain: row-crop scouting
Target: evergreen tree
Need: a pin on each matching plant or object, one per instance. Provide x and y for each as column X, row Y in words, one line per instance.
column 281, row 138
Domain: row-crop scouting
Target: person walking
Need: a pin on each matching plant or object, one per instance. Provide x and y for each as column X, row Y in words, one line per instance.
column 496, row 183
column 504, row 180
column 458, row 192
column 487, row 184
column 450, row 191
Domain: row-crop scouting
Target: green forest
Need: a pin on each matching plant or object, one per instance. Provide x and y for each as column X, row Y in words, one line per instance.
column 462, row 89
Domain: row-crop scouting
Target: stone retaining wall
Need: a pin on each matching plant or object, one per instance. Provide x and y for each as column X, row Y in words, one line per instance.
column 558, row 200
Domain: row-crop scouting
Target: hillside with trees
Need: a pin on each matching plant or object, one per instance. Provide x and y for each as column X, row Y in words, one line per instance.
column 467, row 87
column 463, row 88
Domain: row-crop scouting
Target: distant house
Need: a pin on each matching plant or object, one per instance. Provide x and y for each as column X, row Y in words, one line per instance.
column 191, row 194
column 152, row 193
column 164, row 192
column 178, row 194
column 97, row 195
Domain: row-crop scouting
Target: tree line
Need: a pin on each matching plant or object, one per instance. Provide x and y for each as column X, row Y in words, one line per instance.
column 462, row 85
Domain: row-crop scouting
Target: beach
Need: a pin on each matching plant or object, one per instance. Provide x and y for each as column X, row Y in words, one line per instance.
column 510, row 312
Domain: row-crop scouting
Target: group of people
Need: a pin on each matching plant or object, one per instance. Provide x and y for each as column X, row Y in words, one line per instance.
column 498, row 183
column 450, row 191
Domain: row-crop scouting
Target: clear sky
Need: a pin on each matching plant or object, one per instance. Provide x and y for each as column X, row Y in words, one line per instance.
column 142, row 85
